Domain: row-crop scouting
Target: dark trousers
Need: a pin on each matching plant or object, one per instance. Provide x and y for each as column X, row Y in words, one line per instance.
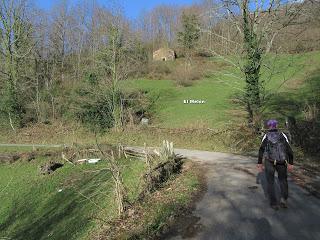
column 270, row 169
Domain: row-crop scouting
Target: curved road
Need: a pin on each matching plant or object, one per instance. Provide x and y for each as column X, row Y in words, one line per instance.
column 235, row 205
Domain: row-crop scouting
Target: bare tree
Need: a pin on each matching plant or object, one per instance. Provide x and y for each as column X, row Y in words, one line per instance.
column 117, row 60
column 16, row 50
column 59, row 35
column 78, row 35
column 160, row 25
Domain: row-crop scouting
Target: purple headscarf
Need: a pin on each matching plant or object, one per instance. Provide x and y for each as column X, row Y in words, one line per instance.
column 272, row 123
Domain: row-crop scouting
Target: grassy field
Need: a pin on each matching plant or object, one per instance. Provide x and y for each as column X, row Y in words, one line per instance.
column 77, row 202
column 294, row 85
column 292, row 80
column 63, row 205
column 171, row 111
column 287, row 74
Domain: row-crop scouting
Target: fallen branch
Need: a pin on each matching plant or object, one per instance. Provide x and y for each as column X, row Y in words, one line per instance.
column 66, row 159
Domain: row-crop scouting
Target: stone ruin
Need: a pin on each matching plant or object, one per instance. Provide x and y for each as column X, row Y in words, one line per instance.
column 164, row 54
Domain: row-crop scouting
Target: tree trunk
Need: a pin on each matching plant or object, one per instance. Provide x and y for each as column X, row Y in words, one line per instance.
column 252, row 65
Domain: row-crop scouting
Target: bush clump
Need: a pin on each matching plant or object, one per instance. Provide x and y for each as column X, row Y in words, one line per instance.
column 159, row 70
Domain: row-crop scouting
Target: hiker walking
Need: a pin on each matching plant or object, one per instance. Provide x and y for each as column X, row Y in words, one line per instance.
column 278, row 156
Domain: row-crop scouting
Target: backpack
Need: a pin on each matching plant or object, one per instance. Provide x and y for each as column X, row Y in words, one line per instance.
column 276, row 147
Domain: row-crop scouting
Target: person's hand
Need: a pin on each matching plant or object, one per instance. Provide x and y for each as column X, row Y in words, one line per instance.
column 260, row 167
column 290, row 167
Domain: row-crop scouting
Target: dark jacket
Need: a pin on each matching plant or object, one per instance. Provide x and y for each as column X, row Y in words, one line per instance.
column 263, row 146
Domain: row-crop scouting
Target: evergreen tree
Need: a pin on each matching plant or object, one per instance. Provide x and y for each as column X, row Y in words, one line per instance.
column 190, row 34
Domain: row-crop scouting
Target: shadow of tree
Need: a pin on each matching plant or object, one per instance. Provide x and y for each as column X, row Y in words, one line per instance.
column 295, row 104
column 63, row 215
column 261, row 179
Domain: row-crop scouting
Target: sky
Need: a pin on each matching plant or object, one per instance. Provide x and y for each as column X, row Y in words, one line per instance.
column 132, row 8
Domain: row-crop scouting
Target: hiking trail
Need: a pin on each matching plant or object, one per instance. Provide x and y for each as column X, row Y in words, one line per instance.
column 235, row 205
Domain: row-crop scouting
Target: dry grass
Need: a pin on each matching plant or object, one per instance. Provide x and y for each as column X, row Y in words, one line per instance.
column 159, row 70
column 242, row 139
column 294, row 84
column 195, row 136
column 185, row 75
column 55, row 133
column 147, row 219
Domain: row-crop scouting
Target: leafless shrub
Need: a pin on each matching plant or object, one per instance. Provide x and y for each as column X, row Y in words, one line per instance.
column 116, row 173
column 160, row 166
column 311, row 112
column 242, row 138
column 158, row 70
column 186, row 75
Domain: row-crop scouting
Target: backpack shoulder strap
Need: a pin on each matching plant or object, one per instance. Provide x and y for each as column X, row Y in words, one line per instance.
column 264, row 137
column 285, row 136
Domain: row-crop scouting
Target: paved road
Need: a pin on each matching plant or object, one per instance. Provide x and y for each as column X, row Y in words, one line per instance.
column 235, row 205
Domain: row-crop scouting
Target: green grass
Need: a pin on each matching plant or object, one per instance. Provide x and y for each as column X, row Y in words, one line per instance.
column 300, row 89
column 218, row 89
column 25, row 149
column 33, row 208
column 171, row 111
column 6, row 149
column 72, row 202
